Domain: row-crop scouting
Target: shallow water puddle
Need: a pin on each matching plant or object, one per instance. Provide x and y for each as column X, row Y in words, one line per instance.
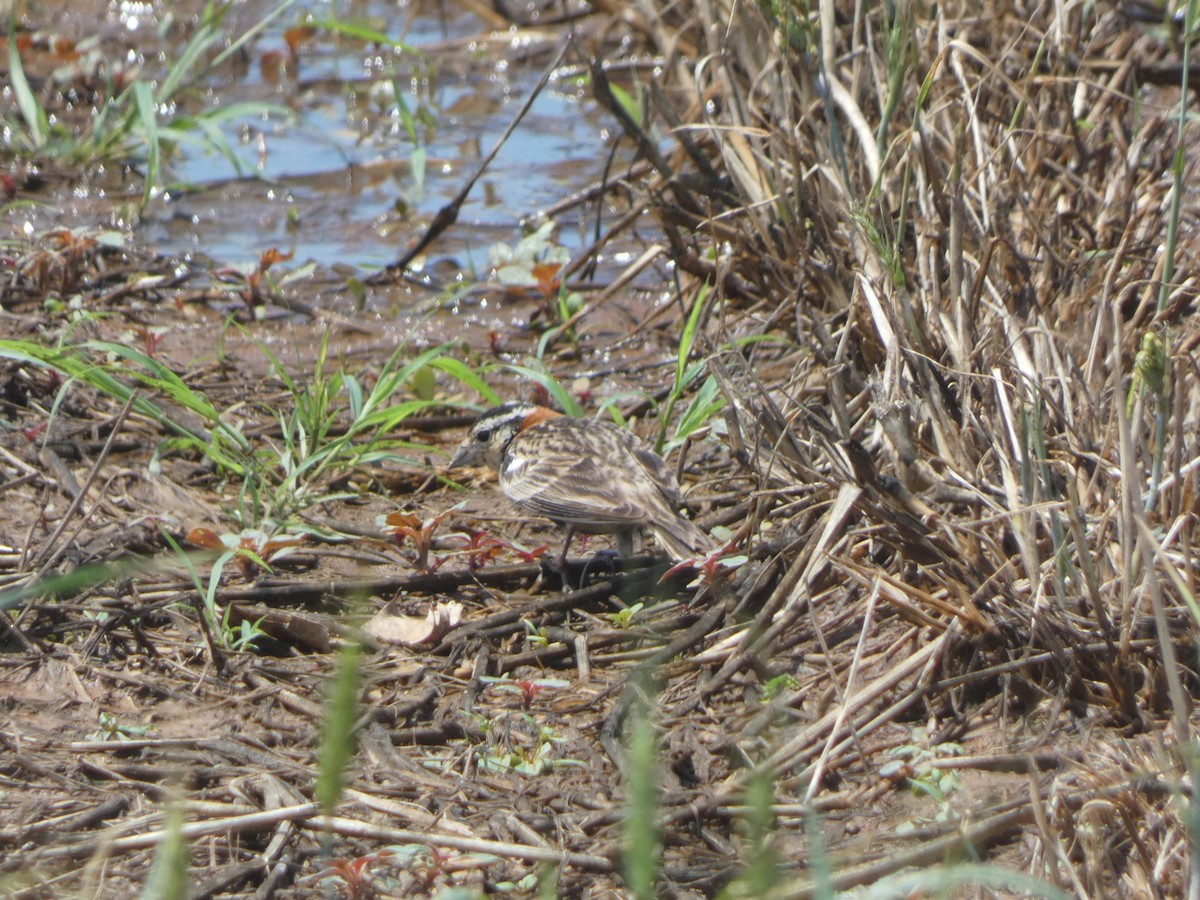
column 342, row 186
column 345, row 179
column 341, row 181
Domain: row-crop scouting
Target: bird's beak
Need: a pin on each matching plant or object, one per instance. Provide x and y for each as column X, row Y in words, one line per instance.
column 466, row 455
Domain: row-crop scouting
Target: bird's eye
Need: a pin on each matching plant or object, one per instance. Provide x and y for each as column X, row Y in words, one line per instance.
column 483, row 436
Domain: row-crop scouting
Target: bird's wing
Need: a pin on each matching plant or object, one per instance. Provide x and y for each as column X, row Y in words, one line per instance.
column 572, row 487
column 660, row 473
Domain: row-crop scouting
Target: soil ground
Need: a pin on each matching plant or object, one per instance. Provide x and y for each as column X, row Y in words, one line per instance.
column 911, row 647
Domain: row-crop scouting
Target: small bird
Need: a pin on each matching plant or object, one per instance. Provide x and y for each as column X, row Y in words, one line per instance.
column 586, row 474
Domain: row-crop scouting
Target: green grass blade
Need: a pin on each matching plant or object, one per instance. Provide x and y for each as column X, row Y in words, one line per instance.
column 706, row 404
column 388, row 417
column 354, row 394
column 160, row 377
column 337, row 731
column 83, row 578
column 762, row 875
column 406, row 117
column 818, row 856
column 392, row 380
column 364, row 33
column 31, row 110
column 567, row 403
column 181, row 72
column 143, row 97
column 688, row 339
column 641, row 840
column 168, row 875
column 250, row 33
column 468, row 378
column 629, row 103
column 74, row 366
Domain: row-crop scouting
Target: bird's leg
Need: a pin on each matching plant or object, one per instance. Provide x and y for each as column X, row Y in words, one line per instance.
column 625, row 542
column 563, row 570
column 625, row 539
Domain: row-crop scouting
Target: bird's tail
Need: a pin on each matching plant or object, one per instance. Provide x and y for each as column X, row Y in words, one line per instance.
column 682, row 538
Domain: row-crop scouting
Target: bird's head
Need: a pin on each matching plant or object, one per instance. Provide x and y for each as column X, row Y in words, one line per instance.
column 493, row 432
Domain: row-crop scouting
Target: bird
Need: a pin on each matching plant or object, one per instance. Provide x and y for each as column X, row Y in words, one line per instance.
column 587, row 475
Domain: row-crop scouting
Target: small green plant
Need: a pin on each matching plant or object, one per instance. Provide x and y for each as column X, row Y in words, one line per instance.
column 479, row 720
column 533, row 264
column 533, row 761
column 537, row 636
column 105, row 366
column 250, row 552
column 529, row 689
column 707, row 402
column 623, row 618
column 777, row 686
column 1149, row 371
column 915, row 765
column 1150, row 377
column 126, row 127
column 338, row 423
column 112, row 729
column 247, row 635
column 535, row 267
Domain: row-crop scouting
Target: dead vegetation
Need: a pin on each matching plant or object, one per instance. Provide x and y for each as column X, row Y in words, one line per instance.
column 959, row 443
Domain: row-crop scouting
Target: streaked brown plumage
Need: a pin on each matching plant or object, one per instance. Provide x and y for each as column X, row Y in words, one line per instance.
column 586, row 474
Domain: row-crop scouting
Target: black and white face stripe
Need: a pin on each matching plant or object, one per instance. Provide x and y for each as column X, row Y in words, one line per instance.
column 491, row 434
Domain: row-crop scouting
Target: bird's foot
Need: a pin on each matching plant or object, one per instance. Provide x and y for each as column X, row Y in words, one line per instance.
column 606, row 559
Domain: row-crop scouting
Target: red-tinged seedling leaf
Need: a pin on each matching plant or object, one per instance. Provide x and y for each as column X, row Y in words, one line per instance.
column 277, row 545
column 420, row 532
column 480, row 548
column 272, row 256
column 271, row 64
column 299, row 35
column 546, row 274
column 685, row 565
column 402, row 527
column 529, row 691
column 527, row 555
column 64, row 49
column 539, row 395
column 477, row 559
column 150, row 340
column 353, row 872
column 205, row 538
column 33, row 432
column 396, row 521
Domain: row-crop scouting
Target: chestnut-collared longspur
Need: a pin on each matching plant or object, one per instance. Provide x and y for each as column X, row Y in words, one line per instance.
column 586, row 474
